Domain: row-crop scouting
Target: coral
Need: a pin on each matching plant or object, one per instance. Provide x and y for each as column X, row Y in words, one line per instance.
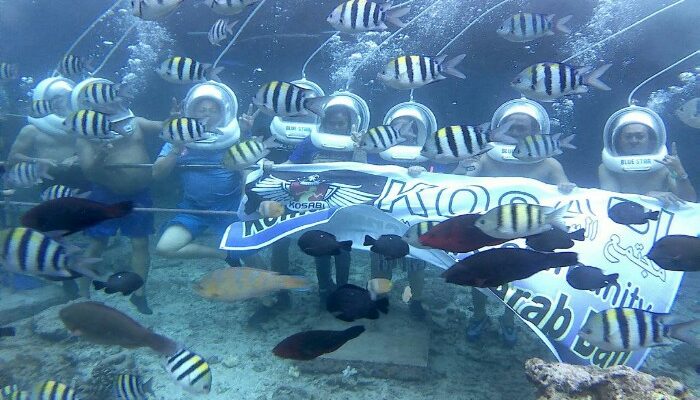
column 559, row 381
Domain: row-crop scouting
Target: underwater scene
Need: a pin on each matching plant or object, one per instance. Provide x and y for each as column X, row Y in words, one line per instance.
column 349, row 199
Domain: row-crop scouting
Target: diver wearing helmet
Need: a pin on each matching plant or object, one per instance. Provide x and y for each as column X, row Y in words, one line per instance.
column 635, row 159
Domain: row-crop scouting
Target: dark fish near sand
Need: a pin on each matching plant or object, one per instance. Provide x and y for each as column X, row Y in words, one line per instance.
column 631, row 213
column 496, row 267
column 98, row 323
column 124, row 282
column 390, row 246
column 554, row 239
column 676, row 253
column 72, row 214
column 6, row 331
column 589, row 278
column 319, row 243
column 311, row 344
column 458, row 235
column 350, row 302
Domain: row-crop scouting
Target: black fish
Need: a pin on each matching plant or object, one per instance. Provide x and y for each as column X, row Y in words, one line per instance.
column 350, row 302
column 496, row 267
column 390, row 246
column 72, row 214
column 631, row 213
column 554, row 239
column 311, row 344
column 319, row 243
column 677, row 253
column 7, row 331
column 123, row 282
column 589, row 278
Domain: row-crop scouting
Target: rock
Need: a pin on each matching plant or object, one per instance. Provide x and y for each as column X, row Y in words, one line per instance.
column 559, row 381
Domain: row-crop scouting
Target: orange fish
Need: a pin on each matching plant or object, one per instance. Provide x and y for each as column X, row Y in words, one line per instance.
column 240, row 283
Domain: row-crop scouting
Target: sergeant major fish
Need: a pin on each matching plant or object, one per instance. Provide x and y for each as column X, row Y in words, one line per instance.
column 525, row 27
column 184, row 130
column 550, row 81
column 52, row 390
column 26, row 174
column 412, row 72
column 186, row 70
column 538, row 147
column 71, row 65
column 512, row 221
column 413, row 234
column 92, row 125
column 153, row 9
column 190, row 370
column 246, row 153
column 8, row 71
column 99, row 93
column 229, row 7
column 132, row 387
column 42, row 108
column 285, row 99
column 58, row 191
column 220, row 31
column 382, row 137
column 460, row 142
column 364, row 15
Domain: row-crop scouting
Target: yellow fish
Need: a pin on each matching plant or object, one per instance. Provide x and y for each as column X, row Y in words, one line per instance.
column 378, row 287
column 271, row 209
column 240, row 283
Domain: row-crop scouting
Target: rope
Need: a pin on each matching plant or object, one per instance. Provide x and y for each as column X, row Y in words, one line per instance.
column 629, row 98
column 303, row 69
column 237, row 34
column 116, row 46
column 471, row 24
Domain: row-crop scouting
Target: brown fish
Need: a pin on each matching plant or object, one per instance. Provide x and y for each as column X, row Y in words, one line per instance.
column 101, row 324
column 240, row 283
column 677, row 253
column 311, row 344
column 459, row 235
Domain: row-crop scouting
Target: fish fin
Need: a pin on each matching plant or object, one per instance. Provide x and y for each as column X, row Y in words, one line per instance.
column 500, row 133
column 354, row 331
column 593, row 78
column 612, row 278
column 315, row 105
column 346, row 245
column 299, row 283
column 451, row 64
column 213, row 73
column 84, row 195
column 684, row 332
column 561, row 24
column 566, row 142
column 393, row 15
column 120, row 209
column 230, row 26
column 556, row 218
column 383, row 305
column 578, row 235
column 652, row 215
column 369, row 241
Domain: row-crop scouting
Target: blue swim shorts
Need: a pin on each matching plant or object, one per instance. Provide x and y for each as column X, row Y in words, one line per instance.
column 136, row 224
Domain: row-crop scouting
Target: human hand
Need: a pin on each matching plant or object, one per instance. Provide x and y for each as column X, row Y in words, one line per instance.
column 268, row 166
column 673, row 162
column 414, row 171
column 667, row 199
column 566, row 187
column 246, row 120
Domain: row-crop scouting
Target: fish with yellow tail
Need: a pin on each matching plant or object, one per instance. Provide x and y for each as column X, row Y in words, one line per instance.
column 52, row 390
column 512, row 221
column 235, row 284
column 190, row 370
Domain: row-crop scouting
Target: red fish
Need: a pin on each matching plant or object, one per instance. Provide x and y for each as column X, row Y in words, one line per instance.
column 311, row 344
column 458, row 235
column 72, row 214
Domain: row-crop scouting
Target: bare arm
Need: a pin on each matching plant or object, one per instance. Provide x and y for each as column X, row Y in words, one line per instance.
column 149, row 127
column 682, row 187
column 90, row 157
column 165, row 165
column 23, row 146
column 607, row 180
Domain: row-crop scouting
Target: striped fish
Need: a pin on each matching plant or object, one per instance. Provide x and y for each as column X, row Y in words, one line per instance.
column 183, row 130
column 412, row 72
column 190, row 371
column 460, row 142
column 153, row 9
column 52, row 390
column 91, row 124
column 30, row 252
column 625, row 329
column 538, row 147
column 98, row 93
column 131, row 387
column 285, row 99
column 8, row 71
column 220, row 31
column 246, row 153
column 26, row 174
column 229, row 7
column 512, row 221
column 550, row 81
column 382, row 137
column 72, row 65
column 187, row 70
column 57, row 191
column 525, row 27
column 7, row 391
column 42, row 108
column 363, row 15
column 413, row 234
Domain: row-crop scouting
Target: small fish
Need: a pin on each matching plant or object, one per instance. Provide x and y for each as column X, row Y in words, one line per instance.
column 150, row 10
column 459, row 235
column 220, row 31
column 589, row 278
column 99, row 93
column 625, row 329
column 72, row 214
column 407, row 294
column 42, row 108
column 7, row 331
column 455, row 143
column 526, row 27
column 311, row 344
column 8, row 72
column 271, row 209
column 92, row 125
column 538, row 147
column 190, row 370
column 554, row 239
column 676, row 253
column 248, row 152
column 71, row 66
column 350, row 302
column 12, row 392
column 186, row 70
column 382, row 137
column 689, row 113
column 26, row 174
column 184, row 130
column 631, row 213
column 319, row 243
column 495, row 267
column 285, row 99
column 57, row 191
column 235, row 284
column 512, row 221
column 412, row 72
column 229, row 7
column 132, row 387
column 101, row 324
column 550, row 81
column 364, row 15
column 413, row 234
column 52, row 390
column 390, row 246
column 378, row 287
column 124, row 282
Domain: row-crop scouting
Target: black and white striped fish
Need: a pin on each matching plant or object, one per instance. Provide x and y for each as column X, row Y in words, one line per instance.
column 229, row 7
column 246, row 153
column 625, row 329
column 183, row 130
column 52, row 390
column 364, row 15
column 190, row 371
column 153, row 9
column 550, row 81
column 412, row 72
column 132, row 387
column 71, row 66
column 413, row 234
column 460, row 142
column 512, row 221
column 57, row 191
column 187, row 70
column 7, row 391
column 8, row 71
column 285, row 99
column 26, row 174
column 92, row 125
column 98, row 93
column 538, row 147
column 42, row 108
column 220, row 31
column 382, row 137
column 525, row 27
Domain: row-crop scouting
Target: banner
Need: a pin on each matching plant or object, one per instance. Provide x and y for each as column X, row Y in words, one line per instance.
column 351, row 200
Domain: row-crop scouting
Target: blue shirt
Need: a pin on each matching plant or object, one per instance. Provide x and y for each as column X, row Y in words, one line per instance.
column 305, row 152
column 213, row 188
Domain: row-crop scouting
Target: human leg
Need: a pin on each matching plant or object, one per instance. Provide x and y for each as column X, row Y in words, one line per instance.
column 479, row 320
column 342, row 268
column 140, row 264
column 416, row 280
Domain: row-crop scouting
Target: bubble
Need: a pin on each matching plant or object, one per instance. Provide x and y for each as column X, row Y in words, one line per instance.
column 686, row 77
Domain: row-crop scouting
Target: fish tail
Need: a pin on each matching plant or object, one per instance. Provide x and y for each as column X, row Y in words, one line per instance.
column 354, row 331
column 566, row 142
column 612, row 278
column 230, row 26
column 404, row 128
column 213, row 73
column 684, row 332
column 120, row 209
column 556, row 218
column 315, row 105
column 652, row 215
column 593, row 78
column 346, row 245
column 578, row 235
column 561, row 24
column 450, row 66
column 369, row 241
column 500, row 133
column 393, row 15
column 299, row 283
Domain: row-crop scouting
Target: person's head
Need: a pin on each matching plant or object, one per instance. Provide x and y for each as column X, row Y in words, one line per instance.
column 337, row 119
column 635, row 139
column 522, row 125
column 207, row 110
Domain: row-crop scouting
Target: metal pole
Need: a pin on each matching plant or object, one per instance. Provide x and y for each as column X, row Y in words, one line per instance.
column 144, row 209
